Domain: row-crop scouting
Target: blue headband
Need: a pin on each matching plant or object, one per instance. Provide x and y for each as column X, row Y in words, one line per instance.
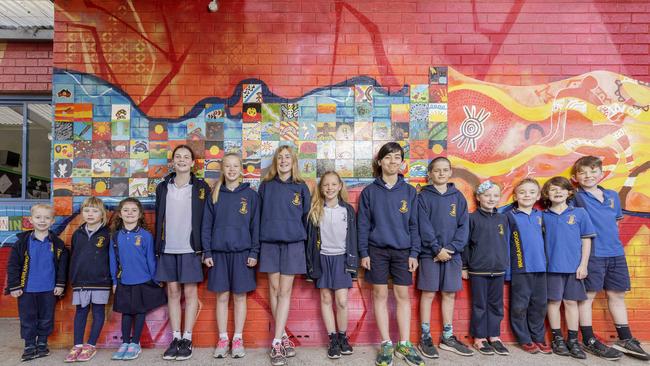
column 485, row 186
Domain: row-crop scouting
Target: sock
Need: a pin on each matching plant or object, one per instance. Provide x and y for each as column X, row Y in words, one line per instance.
column 426, row 330
column 342, row 333
column 557, row 333
column 236, row 336
column 284, row 335
column 187, row 335
column 623, row 331
column 176, row 334
column 223, row 335
column 587, row 333
column 447, row 330
column 573, row 334
column 332, row 335
column 388, row 342
column 276, row 341
column 402, row 343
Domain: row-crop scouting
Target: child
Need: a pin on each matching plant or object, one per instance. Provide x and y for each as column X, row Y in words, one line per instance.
column 568, row 233
column 36, row 275
column 231, row 247
column 485, row 261
column 90, row 276
column 285, row 205
column 527, row 268
column 180, row 200
column 444, row 227
column 133, row 269
column 332, row 256
column 607, row 265
column 389, row 244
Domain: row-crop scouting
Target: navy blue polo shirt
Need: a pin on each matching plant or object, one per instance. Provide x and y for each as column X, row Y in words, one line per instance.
column 604, row 216
column 529, row 229
column 41, row 276
column 563, row 234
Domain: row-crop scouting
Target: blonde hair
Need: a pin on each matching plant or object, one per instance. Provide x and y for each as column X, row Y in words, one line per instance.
column 273, row 169
column 318, row 199
column 98, row 204
column 41, row 206
column 222, row 179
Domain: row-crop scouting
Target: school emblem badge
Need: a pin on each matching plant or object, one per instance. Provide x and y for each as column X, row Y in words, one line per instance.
column 296, row 199
column 202, row 194
column 452, row 212
column 501, row 230
column 138, row 241
column 571, row 220
column 100, row 242
column 611, row 203
column 404, row 208
column 539, row 220
column 244, row 206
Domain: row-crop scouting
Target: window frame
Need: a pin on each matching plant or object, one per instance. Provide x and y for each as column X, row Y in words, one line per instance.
column 25, row 100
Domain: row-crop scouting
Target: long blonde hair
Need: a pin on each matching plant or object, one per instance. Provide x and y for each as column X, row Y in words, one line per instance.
column 273, row 169
column 222, row 179
column 318, row 199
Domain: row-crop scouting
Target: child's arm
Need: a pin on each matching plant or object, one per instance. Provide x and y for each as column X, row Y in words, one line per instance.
column 112, row 261
column 461, row 235
column 206, row 228
column 582, row 272
column 150, row 256
column 306, row 204
column 61, row 271
column 14, row 270
column 415, row 234
column 363, row 229
column 256, row 212
column 427, row 232
column 354, row 243
column 466, row 252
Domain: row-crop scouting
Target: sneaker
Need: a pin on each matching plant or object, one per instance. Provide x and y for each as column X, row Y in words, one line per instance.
column 184, row 350
column 119, row 354
column 132, row 352
column 73, row 354
column 42, row 350
column 452, row 344
column 499, row 348
column 278, row 355
column 385, row 355
column 632, row 347
column 237, row 350
column 29, row 353
column 427, row 348
column 88, row 351
column 530, row 348
column 559, row 347
column 484, row 348
column 222, row 348
column 172, row 351
column 344, row 343
column 407, row 352
column 544, row 348
column 598, row 348
column 333, row 348
column 289, row 347
column 575, row 350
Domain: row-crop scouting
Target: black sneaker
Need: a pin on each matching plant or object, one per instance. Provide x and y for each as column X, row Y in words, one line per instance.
column 42, row 350
column 575, row 350
column 344, row 343
column 499, row 348
column 334, row 349
column 559, row 347
column 427, row 348
column 454, row 345
column 485, row 348
column 599, row 349
column 172, row 350
column 29, row 353
column 632, row 347
column 184, row 350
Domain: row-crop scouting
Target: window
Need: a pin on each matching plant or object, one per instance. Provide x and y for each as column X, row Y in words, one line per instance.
column 25, row 148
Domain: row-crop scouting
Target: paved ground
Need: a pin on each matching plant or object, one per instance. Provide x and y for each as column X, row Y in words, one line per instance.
column 10, row 355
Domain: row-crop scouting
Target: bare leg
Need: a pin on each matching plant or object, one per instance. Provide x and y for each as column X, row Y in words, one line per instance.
column 174, row 305
column 403, row 311
column 283, row 304
column 326, row 310
column 240, row 312
column 191, row 305
column 222, row 311
column 342, row 309
column 379, row 300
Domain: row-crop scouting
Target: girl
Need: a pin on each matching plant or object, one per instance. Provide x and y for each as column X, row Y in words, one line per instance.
column 285, row 205
column 90, row 276
column 485, row 261
column 528, row 268
column 332, row 256
column 568, row 233
column 133, row 269
column 180, row 200
column 389, row 244
column 231, row 246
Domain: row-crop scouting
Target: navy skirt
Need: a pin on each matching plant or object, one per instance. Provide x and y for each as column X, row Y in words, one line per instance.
column 230, row 273
column 333, row 273
column 138, row 299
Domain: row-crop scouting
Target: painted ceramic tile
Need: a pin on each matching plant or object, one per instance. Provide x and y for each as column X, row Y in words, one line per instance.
column 268, row 148
column 271, row 112
column 138, row 168
column 363, row 131
column 345, row 167
column 327, row 112
column 138, row 133
column 82, row 149
column 419, row 130
column 152, row 183
column 438, row 112
column 81, row 186
column 158, row 149
column 252, row 131
column 290, row 111
column 438, row 93
column 324, row 165
column 15, row 223
column 326, row 131
column 81, row 167
column 232, row 146
column 119, row 187
column 254, row 183
column 326, row 150
column 100, row 187
column 214, row 131
column 158, row 131
column 4, row 223
column 308, row 130
column 101, row 149
column 307, row 150
column 101, row 168
column 138, row 187
column 400, row 131
column 64, row 112
column 62, row 187
column 252, row 93
column 195, row 129
column 381, row 131
column 363, row 149
column 82, row 131
column 363, row 112
column 437, row 130
column 214, row 149
column 83, row 112
column 271, row 131
column 419, row 149
column 120, row 130
column 363, row 93
column 251, row 112
column 418, row 168
column 344, row 150
column 120, row 112
column 177, row 130
column 120, row 149
column 198, row 147
column 399, row 113
column 63, row 131
column 252, row 168
column 345, row 131
column 214, row 113
column 251, row 149
column 308, row 113
column 158, row 168
column 63, row 150
column 307, row 168
column 233, row 130
column 419, row 93
column 63, row 93
column 437, row 147
column 289, row 130
column 139, row 149
column 119, row 167
column 213, row 165
column 438, row 75
column 418, row 112
column 62, row 168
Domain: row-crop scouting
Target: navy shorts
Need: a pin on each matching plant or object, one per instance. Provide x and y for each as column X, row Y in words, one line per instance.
column 440, row 276
column 565, row 286
column 333, row 273
column 230, row 273
column 609, row 273
column 182, row 268
column 286, row 258
column 385, row 262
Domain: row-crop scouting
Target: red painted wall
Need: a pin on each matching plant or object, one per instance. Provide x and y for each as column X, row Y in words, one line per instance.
column 25, row 67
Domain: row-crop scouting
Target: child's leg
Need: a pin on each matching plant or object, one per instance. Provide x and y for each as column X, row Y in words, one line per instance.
column 478, row 322
column 240, row 312
column 537, row 308
column 341, row 309
column 191, row 306
column 223, row 298
column 585, row 315
column 618, row 310
column 274, row 290
column 97, row 324
column 28, row 313
column 553, row 313
column 495, row 306
column 283, row 304
column 403, row 311
column 127, row 325
column 426, row 298
column 571, row 314
column 447, row 305
column 379, row 300
column 138, row 325
column 46, row 304
column 174, row 306
column 326, row 310
column 520, row 294
column 80, row 318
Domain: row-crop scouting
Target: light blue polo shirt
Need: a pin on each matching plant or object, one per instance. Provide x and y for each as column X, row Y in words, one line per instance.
column 604, row 216
column 563, row 233
column 531, row 239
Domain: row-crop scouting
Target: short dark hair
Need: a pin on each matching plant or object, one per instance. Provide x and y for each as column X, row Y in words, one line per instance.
column 561, row 182
column 587, row 162
column 387, row 148
column 183, row 146
column 435, row 160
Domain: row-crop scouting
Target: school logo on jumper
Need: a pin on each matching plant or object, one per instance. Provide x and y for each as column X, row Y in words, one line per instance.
column 202, row 193
column 244, row 206
column 404, row 208
column 58, row 253
column 501, row 231
column 611, row 203
column 296, row 199
column 539, row 220
column 138, row 240
column 100, row 242
column 572, row 220
column 452, row 213
column 51, row 247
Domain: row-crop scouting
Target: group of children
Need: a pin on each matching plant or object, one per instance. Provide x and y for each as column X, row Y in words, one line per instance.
column 564, row 254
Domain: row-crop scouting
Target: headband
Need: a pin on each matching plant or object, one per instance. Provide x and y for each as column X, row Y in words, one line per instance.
column 485, row 186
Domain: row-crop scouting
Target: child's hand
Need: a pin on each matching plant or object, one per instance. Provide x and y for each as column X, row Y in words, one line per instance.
column 413, row 264
column 208, row 262
column 58, row 291
column 16, row 293
column 114, row 287
column 365, row 263
column 252, row 262
column 582, row 272
column 443, row 256
column 465, row 274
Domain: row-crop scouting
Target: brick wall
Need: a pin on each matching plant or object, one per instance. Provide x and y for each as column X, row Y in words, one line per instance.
column 25, row 67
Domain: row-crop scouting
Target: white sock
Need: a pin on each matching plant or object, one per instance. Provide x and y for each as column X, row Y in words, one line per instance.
column 389, row 342
column 223, row 335
column 402, row 343
column 276, row 341
column 187, row 335
column 237, row 335
column 284, row 335
column 79, row 345
column 176, row 334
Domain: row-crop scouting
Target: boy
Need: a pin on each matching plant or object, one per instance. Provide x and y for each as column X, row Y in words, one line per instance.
column 444, row 228
column 607, row 265
column 36, row 274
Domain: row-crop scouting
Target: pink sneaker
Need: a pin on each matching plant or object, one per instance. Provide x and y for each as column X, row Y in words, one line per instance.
column 87, row 353
column 238, row 350
column 73, row 354
column 222, row 348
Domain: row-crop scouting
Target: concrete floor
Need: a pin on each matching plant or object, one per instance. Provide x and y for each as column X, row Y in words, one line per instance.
column 10, row 355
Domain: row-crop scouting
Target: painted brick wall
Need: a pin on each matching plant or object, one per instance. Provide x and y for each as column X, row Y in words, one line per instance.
column 25, row 67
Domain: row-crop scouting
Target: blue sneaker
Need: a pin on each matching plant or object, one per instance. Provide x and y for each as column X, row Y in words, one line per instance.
column 132, row 352
column 119, row 355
